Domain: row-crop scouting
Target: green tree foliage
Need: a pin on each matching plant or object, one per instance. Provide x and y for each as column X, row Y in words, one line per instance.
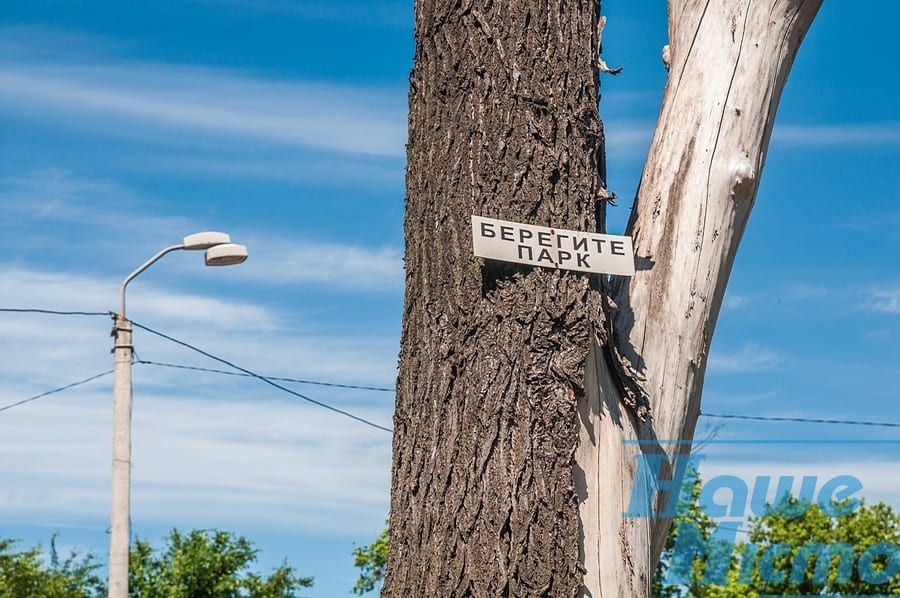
column 688, row 510
column 691, row 519
column 26, row 573
column 847, row 543
column 207, row 564
column 797, row 531
column 198, row 564
column 372, row 561
column 797, row 534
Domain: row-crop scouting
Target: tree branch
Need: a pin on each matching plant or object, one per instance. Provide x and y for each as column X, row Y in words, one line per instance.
column 728, row 63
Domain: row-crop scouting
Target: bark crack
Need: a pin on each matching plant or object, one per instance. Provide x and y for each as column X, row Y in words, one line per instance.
column 712, row 156
column 690, row 51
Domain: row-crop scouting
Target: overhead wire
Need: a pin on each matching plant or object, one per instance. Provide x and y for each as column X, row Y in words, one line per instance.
column 55, row 390
column 260, row 377
column 385, row 389
column 279, row 378
column 802, row 420
column 55, row 312
column 271, row 381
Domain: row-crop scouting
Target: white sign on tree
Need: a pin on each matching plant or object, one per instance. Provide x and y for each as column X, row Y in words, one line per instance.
column 552, row 247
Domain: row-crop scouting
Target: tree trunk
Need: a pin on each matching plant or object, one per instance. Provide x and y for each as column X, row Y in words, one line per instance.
column 503, row 124
column 514, row 393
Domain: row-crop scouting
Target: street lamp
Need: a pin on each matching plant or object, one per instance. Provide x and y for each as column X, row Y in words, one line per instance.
column 220, row 251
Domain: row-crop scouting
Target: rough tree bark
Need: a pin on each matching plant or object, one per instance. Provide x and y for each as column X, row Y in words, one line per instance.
column 518, row 385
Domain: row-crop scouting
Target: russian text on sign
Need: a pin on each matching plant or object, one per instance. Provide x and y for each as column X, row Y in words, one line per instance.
column 552, row 247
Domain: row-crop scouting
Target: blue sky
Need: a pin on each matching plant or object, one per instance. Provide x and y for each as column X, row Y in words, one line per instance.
column 125, row 126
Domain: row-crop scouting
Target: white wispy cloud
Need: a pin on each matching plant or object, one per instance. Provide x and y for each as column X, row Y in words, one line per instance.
column 885, row 300
column 882, row 133
column 345, row 171
column 198, row 461
column 55, row 290
column 627, row 138
column 801, row 292
column 31, row 42
column 631, row 138
column 380, row 13
column 106, row 220
column 737, row 301
column 50, row 211
column 881, row 221
column 295, row 113
column 880, row 333
column 58, row 194
column 346, row 267
column 50, row 352
column 877, row 486
column 209, row 450
column 54, row 350
column 749, row 358
column 154, row 98
column 714, row 400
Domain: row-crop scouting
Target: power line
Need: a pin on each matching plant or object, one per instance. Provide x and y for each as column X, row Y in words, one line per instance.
column 53, row 312
column 297, row 380
column 55, row 390
column 803, row 420
column 269, row 380
column 199, row 369
column 263, row 378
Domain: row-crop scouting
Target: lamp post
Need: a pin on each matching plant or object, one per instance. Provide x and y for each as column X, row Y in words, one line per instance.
column 220, row 251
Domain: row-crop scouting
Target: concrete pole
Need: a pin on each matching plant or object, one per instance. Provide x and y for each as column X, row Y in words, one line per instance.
column 120, row 507
column 220, row 252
